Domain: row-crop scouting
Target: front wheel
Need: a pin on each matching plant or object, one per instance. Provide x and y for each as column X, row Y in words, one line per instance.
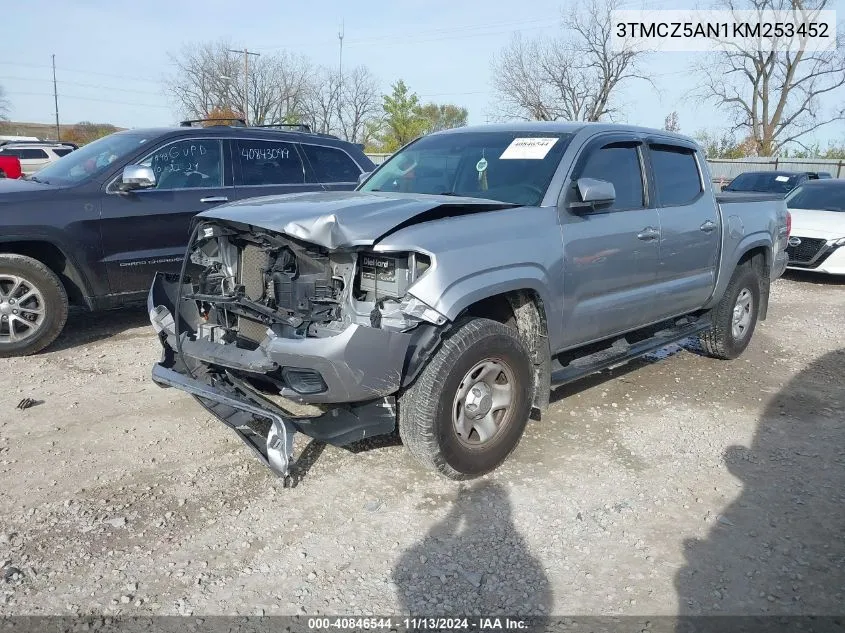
column 467, row 410
column 33, row 305
column 735, row 316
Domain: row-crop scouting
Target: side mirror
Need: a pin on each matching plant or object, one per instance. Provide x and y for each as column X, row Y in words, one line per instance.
column 362, row 177
column 594, row 193
column 137, row 177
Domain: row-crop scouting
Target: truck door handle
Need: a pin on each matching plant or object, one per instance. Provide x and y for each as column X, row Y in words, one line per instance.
column 211, row 199
column 708, row 227
column 648, row 234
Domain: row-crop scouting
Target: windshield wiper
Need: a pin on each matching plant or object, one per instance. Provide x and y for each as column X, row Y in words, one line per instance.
column 449, row 193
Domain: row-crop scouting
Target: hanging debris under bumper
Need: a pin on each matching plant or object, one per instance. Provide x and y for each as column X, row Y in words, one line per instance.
column 261, row 393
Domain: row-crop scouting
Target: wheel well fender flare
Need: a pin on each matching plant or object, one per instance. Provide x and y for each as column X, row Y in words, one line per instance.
column 57, row 258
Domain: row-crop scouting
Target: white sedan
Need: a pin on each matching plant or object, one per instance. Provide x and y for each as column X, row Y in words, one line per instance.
column 817, row 240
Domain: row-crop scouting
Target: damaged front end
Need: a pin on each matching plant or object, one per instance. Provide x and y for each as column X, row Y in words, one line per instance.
column 275, row 335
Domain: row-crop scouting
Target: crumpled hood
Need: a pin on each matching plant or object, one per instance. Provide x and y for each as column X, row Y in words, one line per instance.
column 336, row 219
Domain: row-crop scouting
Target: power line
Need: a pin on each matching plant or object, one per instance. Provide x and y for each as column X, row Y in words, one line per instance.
column 83, row 85
column 78, row 98
column 453, row 94
column 83, row 72
column 457, row 30
column 405, row 42
column 450, row 33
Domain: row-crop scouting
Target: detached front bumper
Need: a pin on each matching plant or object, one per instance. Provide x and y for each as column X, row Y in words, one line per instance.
column 360, row 369
column 356, row 364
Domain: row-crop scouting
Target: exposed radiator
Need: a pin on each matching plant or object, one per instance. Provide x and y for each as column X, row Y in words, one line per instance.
column 253, row 261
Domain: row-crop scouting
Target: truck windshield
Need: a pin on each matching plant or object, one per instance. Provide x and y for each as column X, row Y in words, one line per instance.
column 514, row 167
column 89, row 160
column 827, row 197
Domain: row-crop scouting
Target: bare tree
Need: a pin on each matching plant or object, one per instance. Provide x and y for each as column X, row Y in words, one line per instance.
column 671, row 123
column 572, row 77
column 209, row 77
column 280, row 85
column 4, row 105
column 360, row 105
column 343, row 105
column 775, row 96
column 322, row 102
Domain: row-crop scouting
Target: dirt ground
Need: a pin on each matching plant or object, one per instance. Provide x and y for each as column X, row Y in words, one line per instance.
column 684, row 486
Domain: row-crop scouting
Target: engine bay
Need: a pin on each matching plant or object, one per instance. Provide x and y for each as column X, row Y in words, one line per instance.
column 249, row 282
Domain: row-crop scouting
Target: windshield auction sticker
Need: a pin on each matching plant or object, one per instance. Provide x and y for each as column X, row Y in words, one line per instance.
column 528, row 148
column 723, row 30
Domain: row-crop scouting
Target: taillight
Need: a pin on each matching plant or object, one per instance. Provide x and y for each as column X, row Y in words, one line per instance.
column 788, row 224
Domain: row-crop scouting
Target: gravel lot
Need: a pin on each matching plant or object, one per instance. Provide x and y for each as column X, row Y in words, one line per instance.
column 687, row 485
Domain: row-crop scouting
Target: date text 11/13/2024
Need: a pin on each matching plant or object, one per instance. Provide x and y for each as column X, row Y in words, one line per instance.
column 419, row 623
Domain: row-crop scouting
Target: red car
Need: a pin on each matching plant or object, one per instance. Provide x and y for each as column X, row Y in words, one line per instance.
column 10, row 167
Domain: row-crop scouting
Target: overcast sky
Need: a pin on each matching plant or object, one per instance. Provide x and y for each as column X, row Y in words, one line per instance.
column 112, row 56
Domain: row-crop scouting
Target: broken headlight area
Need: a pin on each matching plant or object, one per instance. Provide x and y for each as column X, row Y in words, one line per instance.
column 293, row 318
column 260, row 326
column 380, row 296
column 254, row 284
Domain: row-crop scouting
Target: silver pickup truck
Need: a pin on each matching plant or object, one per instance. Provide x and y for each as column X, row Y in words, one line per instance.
column 465, row 278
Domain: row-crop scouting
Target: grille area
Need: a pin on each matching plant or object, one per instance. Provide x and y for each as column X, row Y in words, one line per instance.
column 805, row 251
column 251, row 270
column 253, row 261
column 251, row 330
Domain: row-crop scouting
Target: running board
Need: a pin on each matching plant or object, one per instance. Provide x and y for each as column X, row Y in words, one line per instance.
column 621, row 351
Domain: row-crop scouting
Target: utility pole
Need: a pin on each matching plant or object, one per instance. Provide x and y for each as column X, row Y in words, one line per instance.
column 246, row 79
column 56, row 100
column 340, row 34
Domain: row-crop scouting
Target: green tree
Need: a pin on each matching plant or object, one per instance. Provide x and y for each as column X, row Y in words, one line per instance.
column 402, row 120
column 442, row 117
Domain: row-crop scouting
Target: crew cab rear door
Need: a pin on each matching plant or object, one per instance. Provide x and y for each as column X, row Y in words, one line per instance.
column 610, row 252
column 690, row 227
column 146, row 231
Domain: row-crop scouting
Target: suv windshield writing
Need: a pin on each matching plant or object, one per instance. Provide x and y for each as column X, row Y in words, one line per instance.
column 505, row 166
column 90, row 160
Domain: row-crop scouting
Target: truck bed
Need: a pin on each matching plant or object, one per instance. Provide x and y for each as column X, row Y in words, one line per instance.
column 729, row 197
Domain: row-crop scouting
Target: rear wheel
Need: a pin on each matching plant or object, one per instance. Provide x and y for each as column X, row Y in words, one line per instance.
column 33, row 305
column 467, row 410
column 2, row 174
column 735, row 317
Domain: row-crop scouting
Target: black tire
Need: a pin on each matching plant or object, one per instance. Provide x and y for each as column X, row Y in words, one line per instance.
column 426, row 409
column 2, row 174
column 55, row 308
column 720, row 340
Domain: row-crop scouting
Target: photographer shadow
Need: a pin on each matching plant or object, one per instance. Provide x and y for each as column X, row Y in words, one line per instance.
column 474, row 562
column 779, row 548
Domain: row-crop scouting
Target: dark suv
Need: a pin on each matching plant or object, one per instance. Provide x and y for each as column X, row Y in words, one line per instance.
column 778, row 182
column 92, row 228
